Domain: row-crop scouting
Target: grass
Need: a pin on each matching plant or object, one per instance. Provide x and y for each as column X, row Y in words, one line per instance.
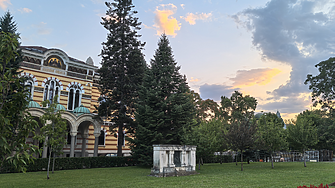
column 290, row 174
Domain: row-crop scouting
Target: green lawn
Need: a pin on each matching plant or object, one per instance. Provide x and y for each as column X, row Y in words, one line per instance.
column 211, row 175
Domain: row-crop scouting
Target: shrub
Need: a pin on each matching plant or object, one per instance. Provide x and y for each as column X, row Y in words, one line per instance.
column 75, row 163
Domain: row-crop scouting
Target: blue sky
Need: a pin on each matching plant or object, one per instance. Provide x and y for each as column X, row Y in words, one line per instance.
column 264, row 48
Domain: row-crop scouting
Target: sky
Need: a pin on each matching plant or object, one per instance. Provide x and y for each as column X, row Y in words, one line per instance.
column 262, row 48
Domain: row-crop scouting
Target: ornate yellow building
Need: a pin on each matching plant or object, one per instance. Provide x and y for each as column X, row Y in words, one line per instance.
column 52, row 72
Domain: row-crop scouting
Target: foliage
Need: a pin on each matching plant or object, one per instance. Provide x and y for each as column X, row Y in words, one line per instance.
column 208, row 138
column 323, row 83
column 325, row 124
column 238, row 111
column 302, row 135
column 206, row 110
column 15, row 122
column 54, row 129
column 164, row 108
column 122, row 68
column 237, row 108
column 271, row 135
column 8, row 25
column 69, row 163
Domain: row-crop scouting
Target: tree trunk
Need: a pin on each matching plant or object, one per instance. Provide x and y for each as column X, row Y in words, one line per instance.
column 53, row 164
column 241, row 160
column 119, row 141
column 202, row 161
column 272, row 161
column 199, row 164
column 220, row 157
column 236, row 159
column 304, row 159
column 49, row 164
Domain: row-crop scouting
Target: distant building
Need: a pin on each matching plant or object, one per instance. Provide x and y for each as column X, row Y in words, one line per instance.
column 52, row 72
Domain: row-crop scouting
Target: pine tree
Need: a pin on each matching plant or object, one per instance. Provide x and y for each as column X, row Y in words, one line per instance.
column 8, row 25
column 122, row 68
column 164, row 107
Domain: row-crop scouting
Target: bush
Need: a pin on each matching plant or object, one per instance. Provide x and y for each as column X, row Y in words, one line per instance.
column 218, row 159
column 74, row 163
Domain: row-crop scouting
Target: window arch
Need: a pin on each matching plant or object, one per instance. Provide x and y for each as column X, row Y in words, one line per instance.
column 102, row 138
column 30, row 88
column 30, row 83
column 75, row 90
column 52, row 87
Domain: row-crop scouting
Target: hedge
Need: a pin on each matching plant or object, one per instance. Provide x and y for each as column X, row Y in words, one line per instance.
column 218, row 159
column 74, row 163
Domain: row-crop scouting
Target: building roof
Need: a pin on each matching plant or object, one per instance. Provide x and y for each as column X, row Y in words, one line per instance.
column 81, row 110
column 42, row 50
column 33, row 104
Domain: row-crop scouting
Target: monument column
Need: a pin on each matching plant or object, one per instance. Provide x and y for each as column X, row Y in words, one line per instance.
column 73, row 140
column 96, row 141
column 83, row 145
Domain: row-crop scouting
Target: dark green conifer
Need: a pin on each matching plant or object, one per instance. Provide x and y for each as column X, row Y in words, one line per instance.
column 122, row 68
column 164, row 107
column 8, row 25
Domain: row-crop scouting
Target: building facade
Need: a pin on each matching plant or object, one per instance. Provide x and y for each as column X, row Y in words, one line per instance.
column 52, row 72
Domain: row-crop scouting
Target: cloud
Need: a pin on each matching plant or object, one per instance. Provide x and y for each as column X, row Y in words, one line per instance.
column 194, row 80
column 4, row 4
column 25, row 10
column 287, row 105
column 245, row 78
column 182, row 6
column 190, row 17
column 42, row 29
column 299, row 33
column 164, row 21
column 215, row 91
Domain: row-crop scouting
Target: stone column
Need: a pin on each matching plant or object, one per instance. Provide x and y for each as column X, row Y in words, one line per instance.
column 73, row 137
column 171, row 158
column 45, row 148
column 96, row 135
column 83, row 147
column 183, row 158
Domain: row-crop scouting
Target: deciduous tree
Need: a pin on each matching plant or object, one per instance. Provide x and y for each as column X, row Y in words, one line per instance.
column 322, row 85
column 15, row 122
column 54, row 129
column 302, row 135
column 271, row 135
column 238, row 111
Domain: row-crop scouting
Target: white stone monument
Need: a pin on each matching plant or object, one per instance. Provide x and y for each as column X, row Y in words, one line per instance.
column 173, row 160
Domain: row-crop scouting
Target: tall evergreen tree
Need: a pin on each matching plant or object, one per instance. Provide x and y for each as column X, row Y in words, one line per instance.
column 122, row 67
column 164, row 107
column 8, row 25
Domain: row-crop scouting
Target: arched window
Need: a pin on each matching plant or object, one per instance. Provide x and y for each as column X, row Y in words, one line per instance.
column 30, row 83
column 102, row 138
column 51, row 89
column 75, row 92
column 30, row 88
